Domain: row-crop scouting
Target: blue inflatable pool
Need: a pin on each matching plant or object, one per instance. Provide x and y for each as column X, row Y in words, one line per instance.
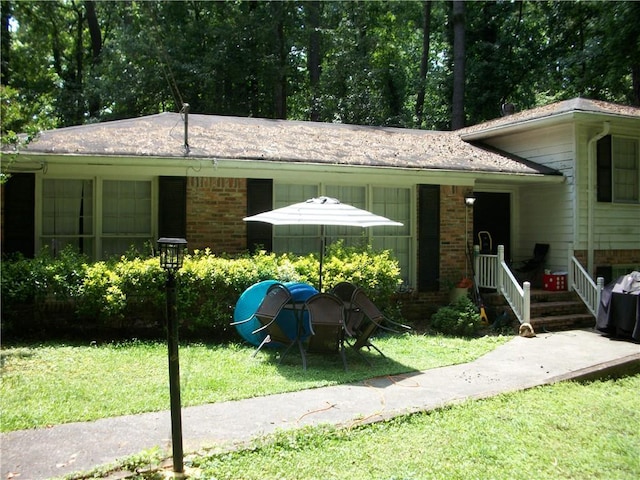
column 250, row 300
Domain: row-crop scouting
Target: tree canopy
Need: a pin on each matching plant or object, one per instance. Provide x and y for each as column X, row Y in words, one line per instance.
column 432, row 65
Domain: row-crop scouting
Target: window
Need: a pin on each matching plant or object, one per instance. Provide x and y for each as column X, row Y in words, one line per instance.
column 67, row 214
column 126, row 215
column 98, row 217
column 618, row 170
column 393, row 203
column 298, row 239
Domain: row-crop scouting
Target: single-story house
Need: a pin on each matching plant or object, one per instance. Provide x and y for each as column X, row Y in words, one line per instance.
column 566, row 174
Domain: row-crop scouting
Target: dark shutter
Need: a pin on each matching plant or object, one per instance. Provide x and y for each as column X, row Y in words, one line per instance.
column 604, row 169
column 259, row 199
column 19, row 214
column 172, row 207
column 429, row 237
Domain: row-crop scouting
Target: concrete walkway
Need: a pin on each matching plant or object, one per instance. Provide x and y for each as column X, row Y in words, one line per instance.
column 520, row 364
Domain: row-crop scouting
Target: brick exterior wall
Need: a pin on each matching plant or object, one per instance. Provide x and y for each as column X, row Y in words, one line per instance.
column 215, row 209
column 454, row 215
column 419, row 306
column 617, row 257
column 604, row 258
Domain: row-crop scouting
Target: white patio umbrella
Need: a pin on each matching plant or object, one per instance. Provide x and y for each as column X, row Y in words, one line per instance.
column 322, row 211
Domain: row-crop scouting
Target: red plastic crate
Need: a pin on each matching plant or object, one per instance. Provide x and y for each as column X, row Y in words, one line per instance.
column 555, row 282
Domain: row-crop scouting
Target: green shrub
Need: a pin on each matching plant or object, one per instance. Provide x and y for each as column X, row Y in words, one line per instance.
column 129, row 291
column 459, row 318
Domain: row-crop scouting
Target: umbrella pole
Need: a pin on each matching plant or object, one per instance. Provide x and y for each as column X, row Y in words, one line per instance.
column 322, row 244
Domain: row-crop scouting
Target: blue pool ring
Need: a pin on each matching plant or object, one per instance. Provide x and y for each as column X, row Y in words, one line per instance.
column 246, row 306
column 251, row 299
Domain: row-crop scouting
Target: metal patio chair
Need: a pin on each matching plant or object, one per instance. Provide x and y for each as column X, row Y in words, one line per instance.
column 275, row 299
column 353, row 315
column 326, row 317
column 373, row 320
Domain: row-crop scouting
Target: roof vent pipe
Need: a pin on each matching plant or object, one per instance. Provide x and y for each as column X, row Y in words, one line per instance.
column 507, row 109
column 185, row 111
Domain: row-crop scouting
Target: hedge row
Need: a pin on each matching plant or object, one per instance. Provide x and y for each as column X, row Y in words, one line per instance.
column 47, row 295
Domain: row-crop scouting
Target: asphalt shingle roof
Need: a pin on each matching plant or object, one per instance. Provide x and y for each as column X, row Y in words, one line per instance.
column 574, row 105
column 220, row 137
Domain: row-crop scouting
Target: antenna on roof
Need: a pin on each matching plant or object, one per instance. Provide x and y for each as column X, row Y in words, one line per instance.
column 185, row 111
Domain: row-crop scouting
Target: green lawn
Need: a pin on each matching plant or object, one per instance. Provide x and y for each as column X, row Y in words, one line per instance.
column 52, row 384
column 563, row 431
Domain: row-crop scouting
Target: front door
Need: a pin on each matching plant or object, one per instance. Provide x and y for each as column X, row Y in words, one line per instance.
column 492, row 214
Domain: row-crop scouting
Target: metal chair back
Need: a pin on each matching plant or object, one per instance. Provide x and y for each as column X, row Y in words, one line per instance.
column 326, row 316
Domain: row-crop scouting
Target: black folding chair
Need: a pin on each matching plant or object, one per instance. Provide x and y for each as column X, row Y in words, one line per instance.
column 326, row 316
column 531, row 269
column 276, row 298
column 373, row 320
column 353, row 315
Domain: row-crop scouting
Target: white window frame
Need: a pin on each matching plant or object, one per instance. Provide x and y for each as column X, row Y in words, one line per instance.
column 620, row 173
column 98, row 234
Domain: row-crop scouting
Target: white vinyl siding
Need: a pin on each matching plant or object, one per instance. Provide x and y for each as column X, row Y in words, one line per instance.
column 544, row 213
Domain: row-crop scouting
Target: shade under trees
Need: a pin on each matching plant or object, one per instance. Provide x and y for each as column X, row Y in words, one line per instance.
column 432, row 65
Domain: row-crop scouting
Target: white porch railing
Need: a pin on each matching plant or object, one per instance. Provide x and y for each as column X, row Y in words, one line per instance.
column 493, row 272
column 579, row 280
column 486, row 269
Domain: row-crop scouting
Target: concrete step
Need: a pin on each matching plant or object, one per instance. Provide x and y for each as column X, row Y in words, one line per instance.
column 550, row 311
column 562, row 322
column 541, row 309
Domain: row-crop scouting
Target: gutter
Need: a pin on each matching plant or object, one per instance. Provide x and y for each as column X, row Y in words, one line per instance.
column 517, row 126
column 591, row 158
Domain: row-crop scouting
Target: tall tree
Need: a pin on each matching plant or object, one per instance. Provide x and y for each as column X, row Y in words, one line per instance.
column 313, row 10
column 424, row 60
column 95, row 34
column 457, row 101
column 374, row 63
column 5, row 41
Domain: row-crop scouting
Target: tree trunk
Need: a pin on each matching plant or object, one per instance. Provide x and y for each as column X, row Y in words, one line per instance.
column 281, row 80
column 5, row 42
column 78, row 83
column 635, row 84
column 457, row 103
column 94, row 30
column 424, row 61
column 96, row 50
column 313, row 59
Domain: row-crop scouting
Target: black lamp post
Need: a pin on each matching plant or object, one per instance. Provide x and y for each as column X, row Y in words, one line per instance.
column 171, row 256
column 469, row 200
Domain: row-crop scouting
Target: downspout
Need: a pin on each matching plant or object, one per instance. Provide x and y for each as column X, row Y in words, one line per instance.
column 591, row 155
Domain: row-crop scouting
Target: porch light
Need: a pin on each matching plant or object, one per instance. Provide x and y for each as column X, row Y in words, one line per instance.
column 171, row 257
column 469, row 199
column 171, row 253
